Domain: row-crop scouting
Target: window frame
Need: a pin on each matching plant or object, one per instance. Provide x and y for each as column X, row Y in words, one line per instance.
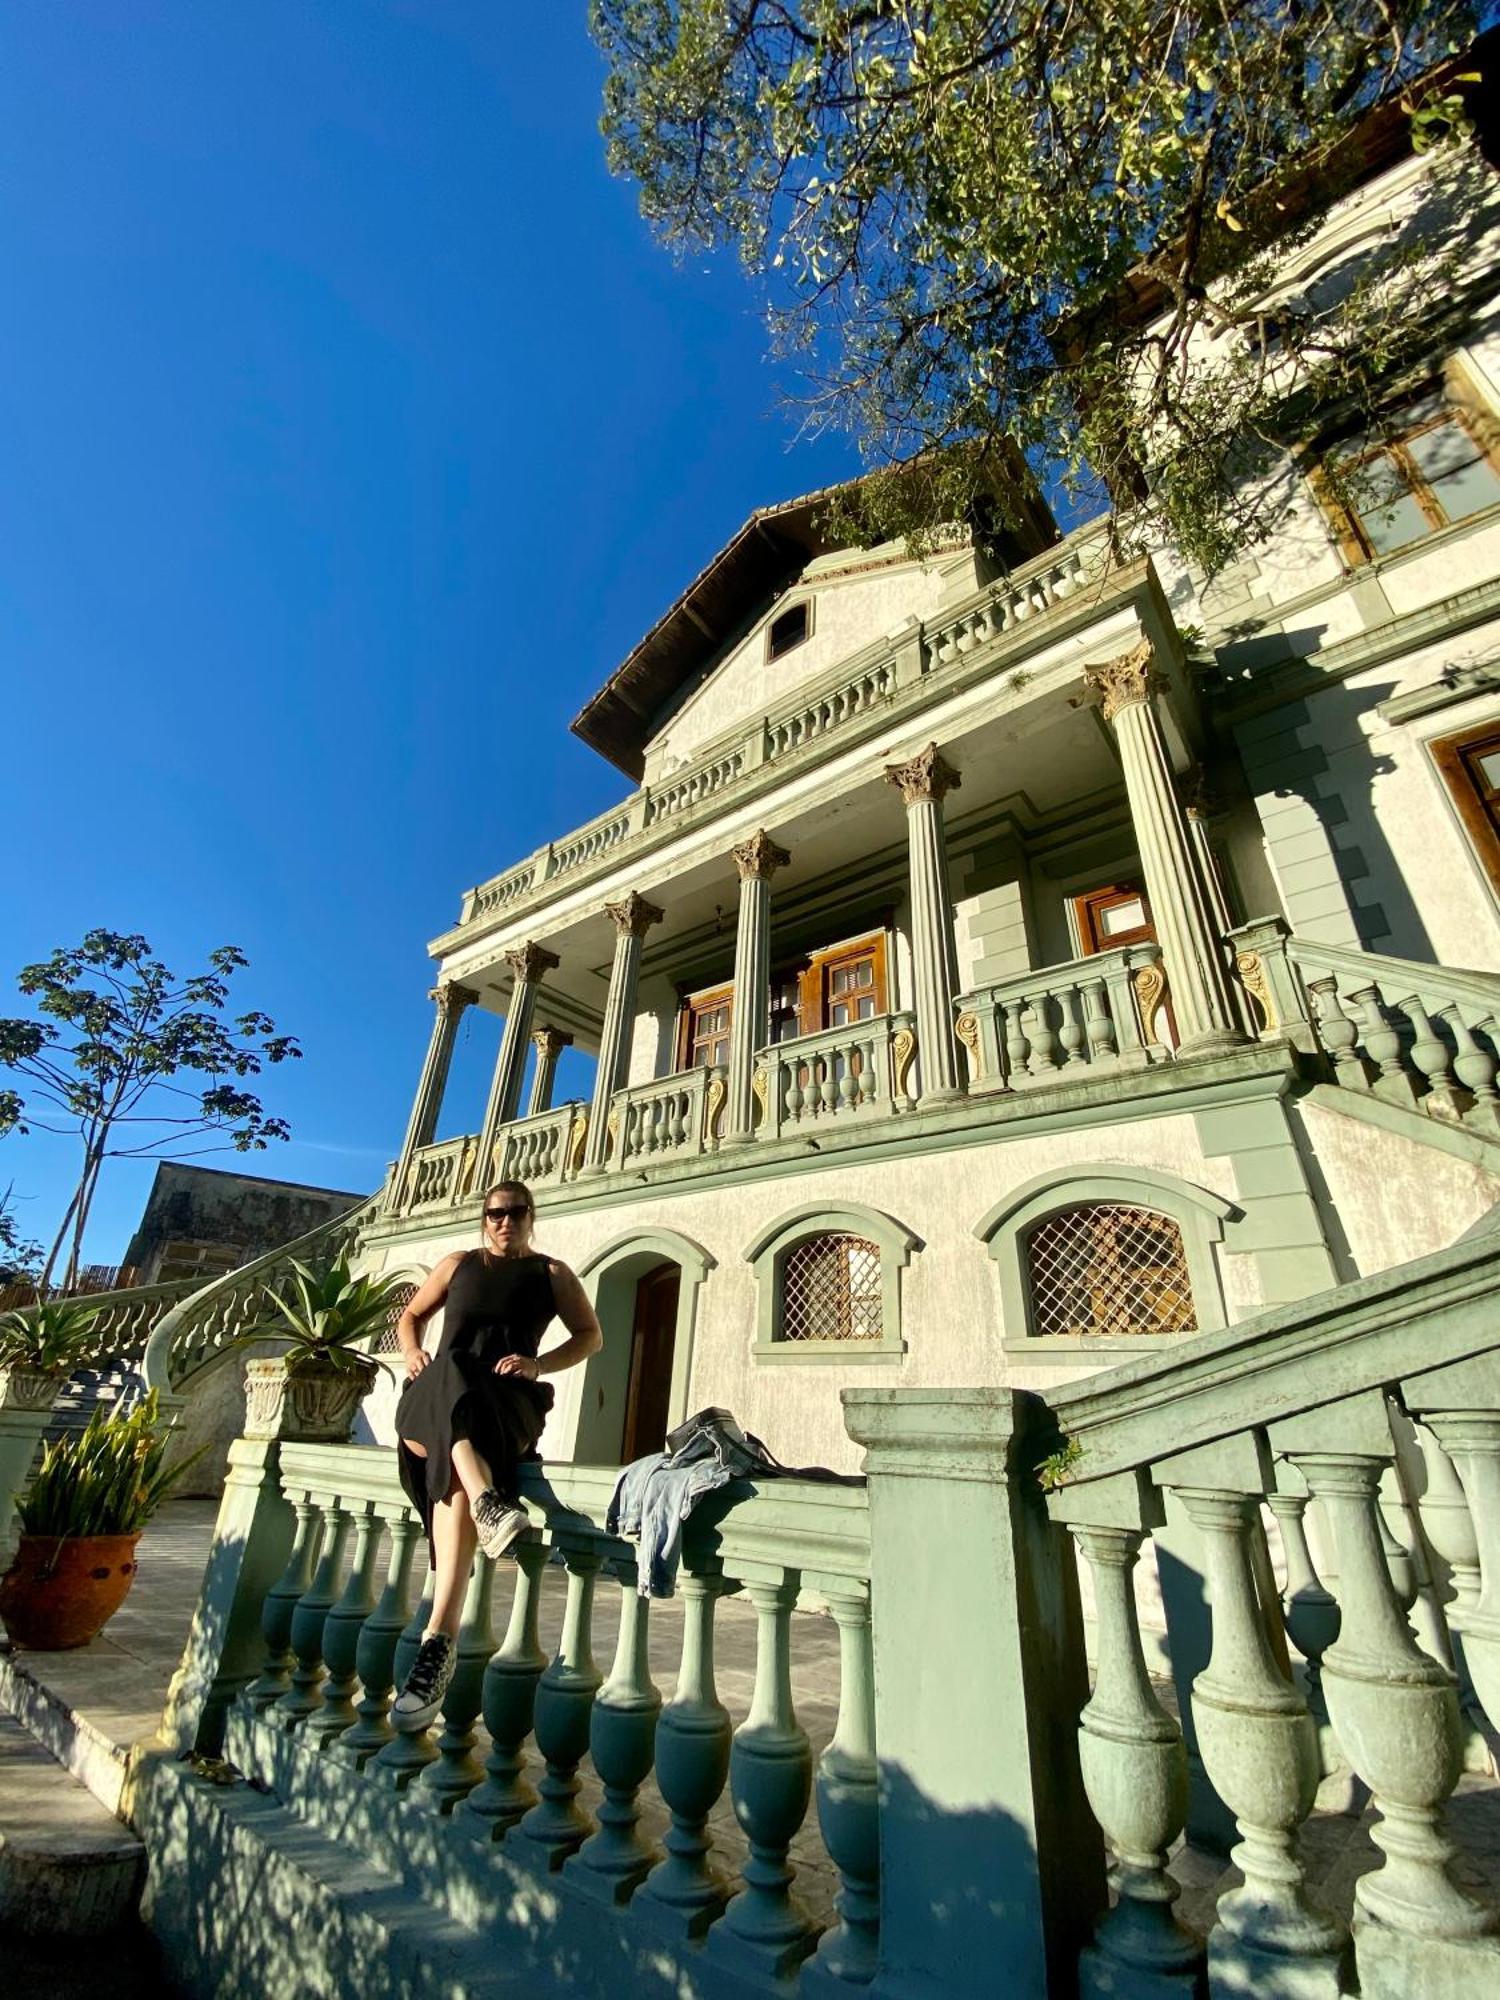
column 1480, row 827
column 1349, row 531
column 783, row 610
column 807, row 975
column 767, row 1255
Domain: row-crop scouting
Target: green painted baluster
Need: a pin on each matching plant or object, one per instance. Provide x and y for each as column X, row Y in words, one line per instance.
column 556, row 1824
column 409, row 1751
column 684, row 1893
column 313, row 1607
column 764, row 1928
column 281, row 1601
column 341, row 1630
column 613, row 1862
column 1312, row 1619
column 849, row 1803
column 508, row 1699
column 375, row 1653
column 457, row 1770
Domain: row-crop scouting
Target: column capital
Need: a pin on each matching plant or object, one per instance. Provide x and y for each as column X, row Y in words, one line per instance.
column 759, row 857
column 530, row 961
column 550, row 1041
column 927, row 776
column 452, row 998
column 1127, row 679
column 633, row 916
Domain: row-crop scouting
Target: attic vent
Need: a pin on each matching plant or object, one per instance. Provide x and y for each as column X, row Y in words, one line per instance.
column 789, row 630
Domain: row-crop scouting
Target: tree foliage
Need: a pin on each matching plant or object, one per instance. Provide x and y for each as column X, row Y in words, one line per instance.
column 135, row 1061
column 950, row 201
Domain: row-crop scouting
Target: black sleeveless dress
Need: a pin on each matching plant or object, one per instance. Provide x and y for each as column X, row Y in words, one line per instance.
column 495, row 1306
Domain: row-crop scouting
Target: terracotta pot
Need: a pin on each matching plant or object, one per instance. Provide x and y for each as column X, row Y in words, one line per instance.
column 62, row 1590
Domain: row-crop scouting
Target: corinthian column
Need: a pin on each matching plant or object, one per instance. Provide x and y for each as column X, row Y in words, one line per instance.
column 757, row 860
column 924, row 781
column 549, row 1044
column 450, row 1000
column 1180, row 905
column 631, row 918
column 528, row 962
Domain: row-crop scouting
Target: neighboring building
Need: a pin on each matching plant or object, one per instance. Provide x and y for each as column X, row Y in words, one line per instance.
column 200, row 1222
column 1004, row 968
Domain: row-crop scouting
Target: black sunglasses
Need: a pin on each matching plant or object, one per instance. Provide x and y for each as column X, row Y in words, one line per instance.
column 514, row 1209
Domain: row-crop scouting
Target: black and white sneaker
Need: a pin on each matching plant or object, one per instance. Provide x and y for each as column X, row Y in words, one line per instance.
column 498, row 1523
column 419, row 1701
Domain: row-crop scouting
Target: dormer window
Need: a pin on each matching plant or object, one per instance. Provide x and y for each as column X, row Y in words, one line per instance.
column 789, row 629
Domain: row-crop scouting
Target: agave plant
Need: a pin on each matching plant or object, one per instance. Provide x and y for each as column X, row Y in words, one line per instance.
column 107, row 1479
column 323, row 1316
column 49, row 1339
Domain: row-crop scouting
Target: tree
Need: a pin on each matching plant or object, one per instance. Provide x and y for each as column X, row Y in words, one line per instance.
column 1038, row 220
column 118, row 1031
column 20, row 1257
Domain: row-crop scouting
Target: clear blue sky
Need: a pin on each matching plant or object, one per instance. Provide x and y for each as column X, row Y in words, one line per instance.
column 351, row 430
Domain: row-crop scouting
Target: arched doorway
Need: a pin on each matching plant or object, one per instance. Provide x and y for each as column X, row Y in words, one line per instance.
column 648, row 1388
column 645, row 1290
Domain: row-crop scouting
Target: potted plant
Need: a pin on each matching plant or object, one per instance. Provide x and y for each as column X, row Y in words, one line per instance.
column 323, row 1318
column 80, row 1521
column 40, row 1346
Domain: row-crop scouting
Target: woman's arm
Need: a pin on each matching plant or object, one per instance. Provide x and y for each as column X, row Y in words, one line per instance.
column 577, row 1315
column 424, row 1302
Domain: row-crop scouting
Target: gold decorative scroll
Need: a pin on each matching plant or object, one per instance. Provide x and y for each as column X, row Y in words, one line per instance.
column 577, row 1139
column 466, row 1165
column 612, row 1128
column 713, row 1106
column 903, row 1054
column 1251, row 968
column 966, row 1033
column 758, row 1090
column 1150, row 991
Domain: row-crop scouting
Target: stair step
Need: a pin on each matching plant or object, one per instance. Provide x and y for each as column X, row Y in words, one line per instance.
column 67, row 1867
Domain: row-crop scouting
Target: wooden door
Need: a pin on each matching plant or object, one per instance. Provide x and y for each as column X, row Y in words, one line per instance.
column 1115, row 915
column 652, row 1338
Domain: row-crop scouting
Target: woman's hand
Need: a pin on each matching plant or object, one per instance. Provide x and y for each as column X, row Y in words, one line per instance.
column 417, row 1359
column 523, row 1365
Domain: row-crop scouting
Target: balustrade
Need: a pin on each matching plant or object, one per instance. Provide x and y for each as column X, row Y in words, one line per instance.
column 535, row 1149
column 1043, row 1026
column 675, row 1115
column 865, row 1069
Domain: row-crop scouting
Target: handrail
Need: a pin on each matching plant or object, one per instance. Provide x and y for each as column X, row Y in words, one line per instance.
column 1403, row 975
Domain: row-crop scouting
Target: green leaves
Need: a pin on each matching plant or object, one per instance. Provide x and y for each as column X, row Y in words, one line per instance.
column 53, row 1338
column 108, row 1479
column 326, row 1316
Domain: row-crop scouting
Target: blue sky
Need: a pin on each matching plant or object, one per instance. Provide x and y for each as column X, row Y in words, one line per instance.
column 353, row 429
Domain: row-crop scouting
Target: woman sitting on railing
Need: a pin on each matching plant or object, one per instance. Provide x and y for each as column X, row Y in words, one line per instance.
column 471, row 1412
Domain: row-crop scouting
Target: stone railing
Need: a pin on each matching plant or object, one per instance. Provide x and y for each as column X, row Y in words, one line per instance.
column 1038, row 1027
column 538, row 1149
column 1000, row 617
column 865, row 1070
column 440, row 1175
column 673, row 1116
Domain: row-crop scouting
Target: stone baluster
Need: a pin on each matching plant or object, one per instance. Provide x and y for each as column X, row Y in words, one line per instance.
column 1103, row 1044
column 764, row 1928
column 1338, row 1034
column 375, row 1652
column 684, row 1893
column 1260, row 1749
column 924, row 781
column 1471, row 1438
column 848, row 1787
column 508, row 1700
column 1310, row 1611
column 1043, row 1059
column 456, row 1770
column 1017, row 1045
column 281, row 1602
column 1449, row 1526
column 1071, row 1033
column 632, row 917
column 341, row 1630
column 1396, row 1713
column 613, row 1862
column 527, row 963
column 1475, row 1067
column 1382, row 1044
column 1429, row 1052
column 1134, row 1761
column 549, row 1044
column 410, row 1750
column 756, row 861
column 450, row 1000
column 557, row 1824
column 312, row 1609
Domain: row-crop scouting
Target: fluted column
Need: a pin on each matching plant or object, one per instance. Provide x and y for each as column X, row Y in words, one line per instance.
column 1181, row 906
column 549, row 1044
column 757, row 860
column 528, row 962
column 924, row 782
column 631, row 918
column 450, row 1000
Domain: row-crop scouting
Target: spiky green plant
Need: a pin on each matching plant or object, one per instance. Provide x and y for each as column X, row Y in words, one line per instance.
column 50, row 1339
column 107, row 1479
column 324, row 1315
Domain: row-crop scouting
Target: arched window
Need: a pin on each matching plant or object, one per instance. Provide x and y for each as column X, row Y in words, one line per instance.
column 830, row 1289
column 829, row 1283
column 1108, row 1268
column 789, row 629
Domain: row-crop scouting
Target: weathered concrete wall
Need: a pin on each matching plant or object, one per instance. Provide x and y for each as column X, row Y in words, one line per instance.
column 202, row 1205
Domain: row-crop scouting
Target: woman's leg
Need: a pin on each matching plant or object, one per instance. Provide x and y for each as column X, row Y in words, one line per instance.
column 453, row 1545
column 473, row 1472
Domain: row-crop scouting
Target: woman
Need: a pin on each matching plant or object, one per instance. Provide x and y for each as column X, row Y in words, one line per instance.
column 471, row 1412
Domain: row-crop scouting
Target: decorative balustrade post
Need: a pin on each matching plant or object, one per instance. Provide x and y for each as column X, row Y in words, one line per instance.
column 1429, row 1053
column 1475, row 1068
column 1470, row 1436
column 765, row 1929
column 1181, row 908
column 1338, row 1034
column 527, row 963
column 1134, row 1761
column 308, row 1618
column 848, row 1789
column 409, row 1751
column 375, row 1652
column 507, row 1700
column 1382, row 1044
column 557, row 1824
column 549, row 1044
column 281, row 1602
column 613, row 1862
column 456, row 1770
column 756, row 861
column 924, row 781
column 450, row 1000
column 1449, row 1527
column 684, row 1893
column 1311, row 1612
column 632, row 918
column 341, row 1630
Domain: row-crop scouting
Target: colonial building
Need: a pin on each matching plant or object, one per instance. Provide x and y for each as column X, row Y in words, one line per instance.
column 1013, row 960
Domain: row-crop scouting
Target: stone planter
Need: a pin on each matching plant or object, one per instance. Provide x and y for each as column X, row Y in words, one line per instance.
column 28, row 1390
column 315, row 1401
column 62, row 1590
column 26, row 1398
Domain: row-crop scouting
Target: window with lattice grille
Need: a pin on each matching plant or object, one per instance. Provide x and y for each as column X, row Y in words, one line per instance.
column 388, row 1343
column 831, row 1290
column 1110, row 1268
